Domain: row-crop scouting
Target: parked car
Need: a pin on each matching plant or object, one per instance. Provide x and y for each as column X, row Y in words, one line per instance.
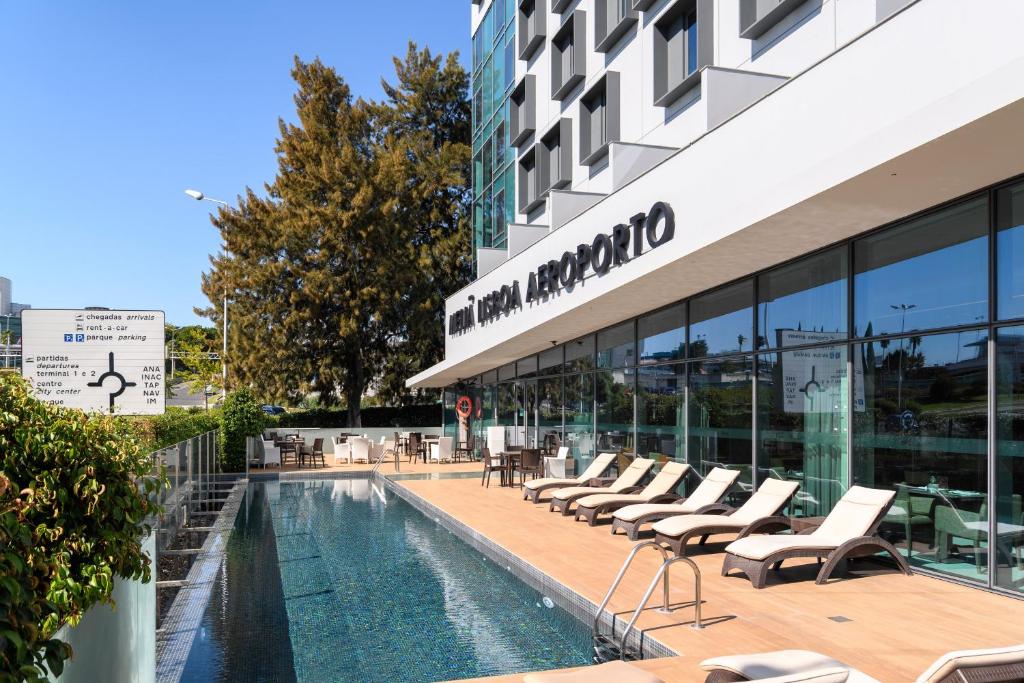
column 273, row 410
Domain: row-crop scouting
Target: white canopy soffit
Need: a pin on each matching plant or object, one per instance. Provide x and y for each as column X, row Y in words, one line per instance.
column 892, row 124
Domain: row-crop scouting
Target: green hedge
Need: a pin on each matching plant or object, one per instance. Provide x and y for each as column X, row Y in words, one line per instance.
column 175, row 425
column 75, row 491
column 242, row 417
column 405, row 416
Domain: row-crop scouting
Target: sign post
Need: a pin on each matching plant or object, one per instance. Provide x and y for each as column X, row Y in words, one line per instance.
column 95, row 360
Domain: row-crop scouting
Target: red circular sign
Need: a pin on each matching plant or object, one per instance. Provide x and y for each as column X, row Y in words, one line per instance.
column 463, row 406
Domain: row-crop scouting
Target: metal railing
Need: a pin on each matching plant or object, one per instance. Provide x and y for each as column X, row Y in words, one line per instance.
column 192, row 467
column 606, row 646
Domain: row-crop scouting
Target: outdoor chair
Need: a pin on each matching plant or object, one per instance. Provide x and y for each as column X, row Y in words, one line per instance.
column 465, row 448
column 532, row 489
column 562, row 499
column 271, row 454
column 556, row 466
column 530, row 463
column 704, row 499
column 850, row 530
column 360, row 449
column 760, row 514
column 661, row 488
column 317, row 451
column 491, row 466
column 442, row 450
column 342, row 450
column 289, row 449
column 414, row 445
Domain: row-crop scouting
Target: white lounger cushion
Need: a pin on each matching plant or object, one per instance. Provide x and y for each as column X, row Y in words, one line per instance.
column 669, row 477
column 715, row 485
column 759, row 547
column 631, row 513
column 595, row 469
column 679, row 525
column 768, row 500
column 966, row 659
column 784, row 663
column 634, row 473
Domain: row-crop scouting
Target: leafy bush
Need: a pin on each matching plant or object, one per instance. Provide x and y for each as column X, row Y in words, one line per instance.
column 176, row 424
column 75, row 491
column 241, row 417
column 406, row 416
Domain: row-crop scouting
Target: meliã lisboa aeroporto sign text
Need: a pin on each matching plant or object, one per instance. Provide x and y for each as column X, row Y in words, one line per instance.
column 605, row 252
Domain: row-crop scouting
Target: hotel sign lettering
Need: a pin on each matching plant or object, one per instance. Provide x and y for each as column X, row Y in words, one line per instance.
column 604, row 252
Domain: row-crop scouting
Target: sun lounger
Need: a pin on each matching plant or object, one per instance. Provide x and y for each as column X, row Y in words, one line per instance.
column 760, row 515
column 704, row 499
column 995, row 665
column 562, row 499
column 661, row 488
column 848, row 531
column 533, row 488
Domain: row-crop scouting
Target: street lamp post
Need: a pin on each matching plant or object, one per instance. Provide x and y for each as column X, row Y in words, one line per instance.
column 903, row 308
column 199, row 196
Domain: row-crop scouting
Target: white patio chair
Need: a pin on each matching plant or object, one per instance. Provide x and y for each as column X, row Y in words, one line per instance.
column 558, row 465
column 360, row 449
column 342, row 451
column 442, row 450
column 271, row 454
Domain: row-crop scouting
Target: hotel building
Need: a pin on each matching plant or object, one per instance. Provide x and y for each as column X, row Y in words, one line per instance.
column 780, row 236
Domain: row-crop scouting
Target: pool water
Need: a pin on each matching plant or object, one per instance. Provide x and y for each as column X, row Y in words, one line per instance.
column 323, row 582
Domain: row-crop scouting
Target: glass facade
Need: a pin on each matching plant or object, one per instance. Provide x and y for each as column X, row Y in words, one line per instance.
column 494, row 49
column 894, row 360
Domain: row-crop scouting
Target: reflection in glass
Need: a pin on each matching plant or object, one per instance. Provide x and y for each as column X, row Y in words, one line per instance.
column 614, row 396
column 579, row 418
column 579, row 354
column 920, row 427
column 803, row 302
column 722, row 321
column 720, row 415
column 615, row 347
column 1009, row 458
column 527, row 367
column 1010, row 252
column 551, row 361
column 801, row 422
column 931, row 272
column 507, row 372
column 486, row 413
column 661, row 336
column 549, row 411
column 507, row 408
column 660, row 403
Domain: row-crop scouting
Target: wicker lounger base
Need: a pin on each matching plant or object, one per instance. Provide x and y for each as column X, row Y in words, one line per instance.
column 864, row 546
column 766, row 525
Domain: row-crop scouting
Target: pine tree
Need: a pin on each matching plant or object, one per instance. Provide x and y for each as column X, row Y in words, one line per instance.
column 336, row 278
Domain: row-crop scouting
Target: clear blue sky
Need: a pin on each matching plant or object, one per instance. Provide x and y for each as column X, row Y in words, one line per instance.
column 111, row 109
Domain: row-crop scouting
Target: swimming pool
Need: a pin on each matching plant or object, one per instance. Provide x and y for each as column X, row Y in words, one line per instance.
column 323, row 582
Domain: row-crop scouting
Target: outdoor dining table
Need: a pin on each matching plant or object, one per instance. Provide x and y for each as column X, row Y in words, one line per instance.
column 427, row 441
column 298, row 443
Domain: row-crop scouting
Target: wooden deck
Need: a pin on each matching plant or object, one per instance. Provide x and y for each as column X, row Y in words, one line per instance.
column 889, row 625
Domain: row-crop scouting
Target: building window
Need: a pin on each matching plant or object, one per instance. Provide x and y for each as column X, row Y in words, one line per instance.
column 1010, row 251
column 614, row 395
column 599, row 119
column 661, row 411
column 641, row 5
column 569, row 56
column 499, row 218
column 682, row 45
column 931, row 272
column 531, row 27
column 615, row 346
column 613, row 19
column 921, row 429
column 1009, row 446
column 559, row 6
column 803, row 302
column 556, row 156
column 720, row 414
column 530, row 194
column 661, row 336
column 757, row 16
column 499, row 146
column 722, row 321
column 523, row 111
